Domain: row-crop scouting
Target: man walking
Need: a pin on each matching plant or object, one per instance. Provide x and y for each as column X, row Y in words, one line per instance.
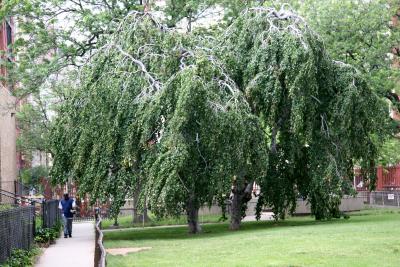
column 67, row 205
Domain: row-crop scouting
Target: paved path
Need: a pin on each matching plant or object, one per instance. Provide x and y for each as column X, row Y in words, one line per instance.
column 265, row 216
column 77, row 251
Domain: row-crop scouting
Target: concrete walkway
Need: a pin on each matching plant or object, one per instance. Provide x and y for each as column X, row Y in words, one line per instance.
column 77, row 251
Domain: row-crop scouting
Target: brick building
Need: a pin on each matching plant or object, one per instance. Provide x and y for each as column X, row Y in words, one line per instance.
column 8, row 130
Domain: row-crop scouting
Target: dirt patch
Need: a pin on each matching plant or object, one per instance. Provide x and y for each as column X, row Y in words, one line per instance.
column 124, row 251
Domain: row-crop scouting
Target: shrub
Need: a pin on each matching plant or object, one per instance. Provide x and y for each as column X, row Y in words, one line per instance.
column 4, row 207
column 21, row 258
column 57, row 227
column 45, row 235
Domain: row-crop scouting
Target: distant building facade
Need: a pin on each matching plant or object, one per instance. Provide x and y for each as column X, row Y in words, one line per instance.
column 8, row 128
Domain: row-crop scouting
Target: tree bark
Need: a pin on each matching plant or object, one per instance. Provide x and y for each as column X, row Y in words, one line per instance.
column 236, row 212
column 189, row 18
column 137, row 216
column 241, row 194
column 116, row 221
column 192, row 211
column 142, row 217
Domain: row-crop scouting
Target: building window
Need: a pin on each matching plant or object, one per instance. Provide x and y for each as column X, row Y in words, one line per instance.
column 9, row 38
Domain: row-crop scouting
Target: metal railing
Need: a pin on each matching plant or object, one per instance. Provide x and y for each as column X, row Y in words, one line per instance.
column 99, row 252
column 18, row 216
column 50, row 213
column 7, row 197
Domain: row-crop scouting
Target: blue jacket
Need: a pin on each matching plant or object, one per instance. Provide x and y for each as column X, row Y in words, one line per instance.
column 67, row 207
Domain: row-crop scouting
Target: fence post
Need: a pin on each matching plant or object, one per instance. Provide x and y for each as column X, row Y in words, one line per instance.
column 398, row 200
column 34, row 218
column 96, row 213
column 43, row 213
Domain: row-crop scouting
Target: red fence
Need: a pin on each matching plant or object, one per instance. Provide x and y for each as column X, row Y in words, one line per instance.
column 388, row 179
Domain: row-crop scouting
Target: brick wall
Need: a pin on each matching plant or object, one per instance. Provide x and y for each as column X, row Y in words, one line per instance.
column 8, row 131
column 8, row 155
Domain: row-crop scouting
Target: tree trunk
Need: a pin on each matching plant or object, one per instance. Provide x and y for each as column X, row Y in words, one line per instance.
column 236, row 211
column 240, row 196
column 138, row 217
column 142, row 217
column 116, row 221
column 192, row 211
column 135, row 204
column 189, row 26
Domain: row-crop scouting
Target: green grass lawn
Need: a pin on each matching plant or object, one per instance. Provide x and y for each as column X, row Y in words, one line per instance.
column 126, row 221
column 368, row 238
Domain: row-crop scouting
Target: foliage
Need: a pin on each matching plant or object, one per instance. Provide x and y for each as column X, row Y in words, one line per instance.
column 45, row 235
column 172, row 129
column 20, row 257
column 362, row 41
column 32, row 176
column 126, row 221
column 320, row 116
column 45, row 44
column 209, row 137
column 5, row 207
column 33, row 129
column 53, row 40
column 191, row 10
column 181, row 119
column 389, row 154
column 88, row 134
column 57, row 227
column 366, row 35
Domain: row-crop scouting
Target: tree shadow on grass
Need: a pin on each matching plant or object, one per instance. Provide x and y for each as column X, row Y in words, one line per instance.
column 222, row 229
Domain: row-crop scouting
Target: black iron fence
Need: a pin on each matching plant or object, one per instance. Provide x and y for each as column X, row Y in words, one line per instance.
column 50, row 213
column 17, row 228
column 18, row 218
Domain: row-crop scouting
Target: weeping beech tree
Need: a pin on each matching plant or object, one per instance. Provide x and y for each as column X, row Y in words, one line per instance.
column 180, row 123
column 320, row 116
column 156, row 119
column 97, row 138
column 209, row 136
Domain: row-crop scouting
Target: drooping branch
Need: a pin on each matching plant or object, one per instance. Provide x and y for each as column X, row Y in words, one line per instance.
column 153, row 82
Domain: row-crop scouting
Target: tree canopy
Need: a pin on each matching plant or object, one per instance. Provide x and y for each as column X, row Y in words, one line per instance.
column 364, row 34
column 320, row 115
column 188, row 120
column 155, row 113
column 54, row 38
column 181, row 121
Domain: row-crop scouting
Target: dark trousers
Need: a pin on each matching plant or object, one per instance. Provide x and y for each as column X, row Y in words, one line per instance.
column 67, row 226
